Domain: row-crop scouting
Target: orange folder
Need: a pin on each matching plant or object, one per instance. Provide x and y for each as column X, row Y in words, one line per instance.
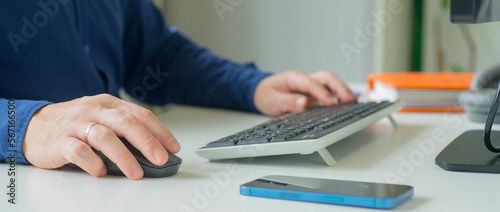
column 431, row 110
column 424, row 81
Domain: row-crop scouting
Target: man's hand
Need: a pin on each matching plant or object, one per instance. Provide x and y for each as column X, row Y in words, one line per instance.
column 294, row 91
column 56, row 135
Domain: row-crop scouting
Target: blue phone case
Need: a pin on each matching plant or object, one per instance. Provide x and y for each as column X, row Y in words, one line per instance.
column 291, row 188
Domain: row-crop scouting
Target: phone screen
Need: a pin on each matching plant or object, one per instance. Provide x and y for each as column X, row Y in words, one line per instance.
column 340, row 187
column 328, row 191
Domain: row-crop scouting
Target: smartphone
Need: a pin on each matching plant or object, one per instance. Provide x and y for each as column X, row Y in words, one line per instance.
column 362, row 194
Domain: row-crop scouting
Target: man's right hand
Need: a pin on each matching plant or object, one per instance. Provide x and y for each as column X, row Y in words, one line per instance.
column 56, row 135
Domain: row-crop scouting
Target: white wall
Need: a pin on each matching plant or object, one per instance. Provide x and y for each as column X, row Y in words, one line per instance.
column 487, row 44
column 456, row 54
column 281, row 34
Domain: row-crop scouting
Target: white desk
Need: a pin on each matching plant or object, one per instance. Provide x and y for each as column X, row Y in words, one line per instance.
column 369, row 155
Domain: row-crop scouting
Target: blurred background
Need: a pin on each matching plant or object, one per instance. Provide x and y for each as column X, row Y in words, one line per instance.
column 349, row 37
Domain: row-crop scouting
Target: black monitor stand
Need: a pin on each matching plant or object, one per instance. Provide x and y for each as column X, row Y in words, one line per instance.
column 468, row 153
column 474, row 151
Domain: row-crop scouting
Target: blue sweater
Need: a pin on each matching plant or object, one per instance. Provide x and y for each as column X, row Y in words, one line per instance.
column 59, row 50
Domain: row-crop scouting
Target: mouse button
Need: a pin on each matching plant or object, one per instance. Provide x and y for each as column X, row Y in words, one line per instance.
column 135, row 152
column 173, row 158
column 103, row 157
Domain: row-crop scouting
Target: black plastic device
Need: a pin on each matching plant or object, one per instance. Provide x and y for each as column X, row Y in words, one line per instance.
column 150, row 170
column 474, row 11
column 467, row 152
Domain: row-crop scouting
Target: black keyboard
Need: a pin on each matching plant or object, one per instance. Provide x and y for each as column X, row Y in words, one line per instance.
column 311, row 124
column 305, row 132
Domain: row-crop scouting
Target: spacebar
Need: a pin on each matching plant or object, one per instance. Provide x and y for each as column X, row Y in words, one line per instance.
column 253, row 141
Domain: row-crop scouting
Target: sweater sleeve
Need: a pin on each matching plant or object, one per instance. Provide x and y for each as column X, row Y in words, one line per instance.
column 15, row 116
column 164, row 66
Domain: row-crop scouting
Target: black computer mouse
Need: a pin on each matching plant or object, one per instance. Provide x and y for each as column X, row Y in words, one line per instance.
column 150, row 170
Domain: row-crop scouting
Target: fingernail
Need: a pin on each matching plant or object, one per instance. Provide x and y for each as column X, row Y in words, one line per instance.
column 299, row 103
column 335, row 100
column 136, row 171
column 160, row 155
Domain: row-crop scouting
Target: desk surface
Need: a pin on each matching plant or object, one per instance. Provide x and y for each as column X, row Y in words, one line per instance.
column 377, row 154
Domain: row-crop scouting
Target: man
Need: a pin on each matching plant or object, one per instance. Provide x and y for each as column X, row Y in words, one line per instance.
column 55, row 52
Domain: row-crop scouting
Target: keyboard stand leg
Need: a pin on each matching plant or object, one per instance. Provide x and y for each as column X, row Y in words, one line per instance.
column 393, row 122
column 327, row 157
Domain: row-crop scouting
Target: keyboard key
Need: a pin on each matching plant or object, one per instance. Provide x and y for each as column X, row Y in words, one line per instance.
column 278, row 139
column 272, row 127
column 253, row 141
column 260, row 130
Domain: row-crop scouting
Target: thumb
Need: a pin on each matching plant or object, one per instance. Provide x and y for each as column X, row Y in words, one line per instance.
column 292, row 103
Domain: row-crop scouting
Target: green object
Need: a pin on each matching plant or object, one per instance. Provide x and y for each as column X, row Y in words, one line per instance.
column 417, row 40
column 445, row 4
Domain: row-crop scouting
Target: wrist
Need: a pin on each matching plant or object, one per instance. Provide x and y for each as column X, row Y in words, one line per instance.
column 26, row 111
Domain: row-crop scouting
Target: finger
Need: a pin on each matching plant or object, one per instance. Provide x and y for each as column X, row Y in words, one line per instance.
column 305, row 84
column 289, row 103
column 342, row 91
column 147, row 118
column 79, row 153
column 126, row 125
column 154, row 126
column 103, row 139
column 312, row 102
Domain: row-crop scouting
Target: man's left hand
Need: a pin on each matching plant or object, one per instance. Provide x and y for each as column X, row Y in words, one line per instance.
column 294, row 91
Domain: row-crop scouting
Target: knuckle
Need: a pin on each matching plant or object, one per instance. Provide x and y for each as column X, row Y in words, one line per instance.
column 105, row 96
column 85, row 98
column 97, row 98
column 88, row 104
column 123, row 156
column 101, row 133
column 127, row 118
column 145, row 113
column 149, row 142
column 324, row 73
column 295, row 73
column 308, row 81
column 79, row 152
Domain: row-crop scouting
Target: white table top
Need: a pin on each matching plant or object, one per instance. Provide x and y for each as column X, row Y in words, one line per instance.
column 370, row 155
